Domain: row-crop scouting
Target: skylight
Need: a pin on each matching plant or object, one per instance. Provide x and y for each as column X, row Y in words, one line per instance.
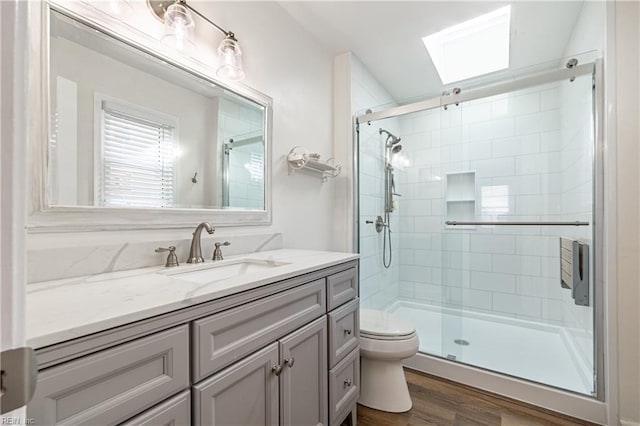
column 475, row 47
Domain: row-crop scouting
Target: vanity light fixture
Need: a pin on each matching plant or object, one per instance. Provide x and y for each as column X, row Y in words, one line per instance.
column 179, row 27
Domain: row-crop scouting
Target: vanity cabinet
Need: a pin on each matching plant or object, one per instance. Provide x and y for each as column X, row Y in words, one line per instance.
column 223, row 338
column 275, row 355
column 284, row 383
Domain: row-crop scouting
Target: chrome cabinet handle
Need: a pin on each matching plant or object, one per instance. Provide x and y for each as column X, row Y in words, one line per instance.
column 347, row 331
column 347, row 383
column 277, row 369
column 289, row 361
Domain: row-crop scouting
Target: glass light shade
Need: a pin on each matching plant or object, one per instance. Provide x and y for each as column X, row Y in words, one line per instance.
column 230, row 55
column 178, row 27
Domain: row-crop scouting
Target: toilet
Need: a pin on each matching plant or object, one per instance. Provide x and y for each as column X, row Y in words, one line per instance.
column 385, row 340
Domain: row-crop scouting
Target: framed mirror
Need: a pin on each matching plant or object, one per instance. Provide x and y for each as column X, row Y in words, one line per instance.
column 136, row 139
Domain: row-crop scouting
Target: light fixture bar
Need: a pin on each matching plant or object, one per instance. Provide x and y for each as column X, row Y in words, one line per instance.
column 218, row 27
column 179, row 26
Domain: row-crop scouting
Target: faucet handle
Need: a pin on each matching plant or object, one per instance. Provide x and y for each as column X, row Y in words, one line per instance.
column 172, row 259
column 217, row 252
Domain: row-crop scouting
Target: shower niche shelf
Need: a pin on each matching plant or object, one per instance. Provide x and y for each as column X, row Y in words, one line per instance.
column 460, row 198
column 300, row 159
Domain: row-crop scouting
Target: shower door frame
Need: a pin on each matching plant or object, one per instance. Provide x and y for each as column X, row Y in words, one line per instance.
column 556, row 399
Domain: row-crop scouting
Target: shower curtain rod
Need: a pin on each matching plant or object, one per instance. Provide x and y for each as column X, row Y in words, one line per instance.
column 483, row 92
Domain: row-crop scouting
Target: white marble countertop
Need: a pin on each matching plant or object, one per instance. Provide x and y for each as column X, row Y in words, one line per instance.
column 66, row 309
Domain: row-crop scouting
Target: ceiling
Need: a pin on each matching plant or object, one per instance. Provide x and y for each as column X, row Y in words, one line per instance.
column 387, row 35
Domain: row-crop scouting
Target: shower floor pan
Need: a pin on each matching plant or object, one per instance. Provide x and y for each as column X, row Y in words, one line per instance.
column 533, row 351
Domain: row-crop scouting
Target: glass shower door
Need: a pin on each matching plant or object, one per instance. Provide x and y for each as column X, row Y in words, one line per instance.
column 516, row 271
column 492, row 239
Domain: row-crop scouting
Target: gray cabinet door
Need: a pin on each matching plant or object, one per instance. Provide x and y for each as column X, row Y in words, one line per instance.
column 113, row 385
column 245, row 394
column 175, row 411
column 221, row 339
column 341, row 287
column 303, row 355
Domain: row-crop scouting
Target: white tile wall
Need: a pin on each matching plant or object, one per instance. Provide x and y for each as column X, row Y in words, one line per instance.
column 525, row 166
column 379, row 287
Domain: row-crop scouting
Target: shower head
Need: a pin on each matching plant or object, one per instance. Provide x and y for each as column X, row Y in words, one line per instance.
column 397, row 148
column 391, row 138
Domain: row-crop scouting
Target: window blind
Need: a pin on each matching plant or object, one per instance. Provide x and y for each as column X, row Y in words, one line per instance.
column 137, row 160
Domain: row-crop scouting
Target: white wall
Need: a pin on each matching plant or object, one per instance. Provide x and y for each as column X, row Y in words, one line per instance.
column 283, row 61
column 626, row 96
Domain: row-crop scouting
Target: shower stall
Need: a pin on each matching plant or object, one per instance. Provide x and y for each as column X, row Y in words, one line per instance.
column 483, row 229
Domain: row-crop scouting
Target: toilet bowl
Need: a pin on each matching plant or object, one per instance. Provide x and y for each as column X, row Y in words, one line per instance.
column 385, row 340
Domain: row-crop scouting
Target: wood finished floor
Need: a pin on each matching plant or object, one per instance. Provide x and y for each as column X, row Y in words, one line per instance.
column 440, row 402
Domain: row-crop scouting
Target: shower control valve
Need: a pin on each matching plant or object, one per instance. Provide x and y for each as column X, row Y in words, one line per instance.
column 379, row 222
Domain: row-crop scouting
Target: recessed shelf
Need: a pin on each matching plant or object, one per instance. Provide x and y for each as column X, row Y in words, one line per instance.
column 460, row 198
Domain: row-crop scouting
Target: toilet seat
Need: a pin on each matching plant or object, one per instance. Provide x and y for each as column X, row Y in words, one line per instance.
column 375, row 336
column 381, row 325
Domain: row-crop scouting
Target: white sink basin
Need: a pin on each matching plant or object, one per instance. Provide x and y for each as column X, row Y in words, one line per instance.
column 211, row 272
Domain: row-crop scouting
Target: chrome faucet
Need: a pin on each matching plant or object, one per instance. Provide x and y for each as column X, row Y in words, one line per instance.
column 195, row 253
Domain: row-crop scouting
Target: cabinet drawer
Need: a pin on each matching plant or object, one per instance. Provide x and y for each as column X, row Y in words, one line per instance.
column 341, row 288
column 175, row 411
column 344, row 330
column 111, row 386
column 344, row 387
column 223, row 338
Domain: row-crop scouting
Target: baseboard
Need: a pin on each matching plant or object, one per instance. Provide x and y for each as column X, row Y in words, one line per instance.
column 628, row 423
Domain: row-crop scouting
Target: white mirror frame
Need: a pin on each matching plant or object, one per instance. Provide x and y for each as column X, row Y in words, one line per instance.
column 44, row 217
